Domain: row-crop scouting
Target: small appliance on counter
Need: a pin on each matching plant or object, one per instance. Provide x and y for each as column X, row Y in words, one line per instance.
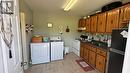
column 86, row 38
column 83, row 37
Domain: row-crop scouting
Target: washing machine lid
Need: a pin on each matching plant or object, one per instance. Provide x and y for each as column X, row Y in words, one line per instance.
column 55, row 38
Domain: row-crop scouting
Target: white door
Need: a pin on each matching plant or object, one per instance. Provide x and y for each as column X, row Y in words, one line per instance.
column 24, row 41
column 11, row 59
column 1, row 61
column 126, row 65
column 17, row 45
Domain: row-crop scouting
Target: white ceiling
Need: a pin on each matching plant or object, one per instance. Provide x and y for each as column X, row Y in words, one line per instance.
column 81, row 8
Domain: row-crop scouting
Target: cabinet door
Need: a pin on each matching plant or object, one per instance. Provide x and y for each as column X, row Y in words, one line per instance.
column 101, row 23
column 83, row 22
column 88, row 25
column 92, row 57
column 93, row 23
column 124, row 16
column 82, row 50
column 112, row 20
column 100, row 63
column 80, row 22
column 86, row 53
column 126, row 9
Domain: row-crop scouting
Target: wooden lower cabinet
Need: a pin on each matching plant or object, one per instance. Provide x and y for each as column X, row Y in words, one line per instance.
column 86, row 53
column 96, row 57
column 100, row 63
column 82, row 50
column 92, row 58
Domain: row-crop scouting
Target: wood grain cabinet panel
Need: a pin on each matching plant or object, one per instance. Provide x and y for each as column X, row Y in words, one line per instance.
column 101, row 23
column 126, row 9
column 96, row 57
column 92, row 58
column 82, row 50
column 93, row 24
column 86, row 53
column 88, row 25
column 100, row 63
column 112, row 20
column 82, row 23
column 101, row 52
column 124, row 15
column 93, row 49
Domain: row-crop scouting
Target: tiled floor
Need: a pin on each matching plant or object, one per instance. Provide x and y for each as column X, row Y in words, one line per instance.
column 68, row 65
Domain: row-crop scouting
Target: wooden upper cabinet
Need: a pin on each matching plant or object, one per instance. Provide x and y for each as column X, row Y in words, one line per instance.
column 93, row 23
column 126, row 9
column 112, row 20
column 101, row 25
column 88, row 25
column 124, row 15
column 82, row 23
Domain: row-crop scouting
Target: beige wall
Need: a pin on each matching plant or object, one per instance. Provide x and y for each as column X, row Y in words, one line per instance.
column 28, row 12
column 41, row 19
column 125, row 1
column 24, row 8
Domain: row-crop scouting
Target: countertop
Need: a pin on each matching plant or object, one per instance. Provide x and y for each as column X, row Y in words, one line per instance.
column 97, row 44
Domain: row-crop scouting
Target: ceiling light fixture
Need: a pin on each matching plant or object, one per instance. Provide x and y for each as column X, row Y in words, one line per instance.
column 69, row 5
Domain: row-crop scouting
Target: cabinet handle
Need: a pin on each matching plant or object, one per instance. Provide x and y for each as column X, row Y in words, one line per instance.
column 111, row 21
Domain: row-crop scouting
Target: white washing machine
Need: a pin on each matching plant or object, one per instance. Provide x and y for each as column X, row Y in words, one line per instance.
column 57, row 48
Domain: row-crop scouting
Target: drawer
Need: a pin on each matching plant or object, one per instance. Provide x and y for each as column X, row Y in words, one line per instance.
column 92, row 48
column 101, row 52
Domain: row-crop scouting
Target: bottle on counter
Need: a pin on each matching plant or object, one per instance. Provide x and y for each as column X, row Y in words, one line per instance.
column 109, row 43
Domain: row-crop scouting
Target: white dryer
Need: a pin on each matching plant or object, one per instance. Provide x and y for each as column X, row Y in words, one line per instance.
column 40, row 53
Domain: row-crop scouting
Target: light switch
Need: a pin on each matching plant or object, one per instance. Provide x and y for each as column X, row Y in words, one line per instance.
column 49, row 25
